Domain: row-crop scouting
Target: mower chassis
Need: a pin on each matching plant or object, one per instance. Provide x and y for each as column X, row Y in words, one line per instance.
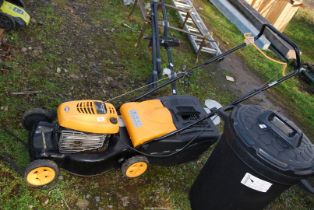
column 43, row 141
column 85, row 164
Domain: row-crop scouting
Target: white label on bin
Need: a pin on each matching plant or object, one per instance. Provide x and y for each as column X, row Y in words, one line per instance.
column 255, row 183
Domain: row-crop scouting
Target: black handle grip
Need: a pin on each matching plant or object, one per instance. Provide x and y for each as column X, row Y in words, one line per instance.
column 285, row 38
column 306, row 185
column 280, row 127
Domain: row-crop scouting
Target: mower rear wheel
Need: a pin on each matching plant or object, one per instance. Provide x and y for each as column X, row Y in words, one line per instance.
column 135, row 166
column 34, row 116
column 41, row 173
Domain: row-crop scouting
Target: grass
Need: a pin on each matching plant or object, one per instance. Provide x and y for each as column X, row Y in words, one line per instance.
column 301, row 30
column 89, row 39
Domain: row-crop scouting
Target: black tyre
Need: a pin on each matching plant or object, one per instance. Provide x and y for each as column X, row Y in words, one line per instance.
column 7, row 22
column 135, row 166
column 34, row 116
column 41, row 173
column 19, row 3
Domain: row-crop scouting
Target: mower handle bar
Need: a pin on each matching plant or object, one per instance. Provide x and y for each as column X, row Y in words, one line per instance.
column 285, row 38
column 224, row 54
column 248, row 95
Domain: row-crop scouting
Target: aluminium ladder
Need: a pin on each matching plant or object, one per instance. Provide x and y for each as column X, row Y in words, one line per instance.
column 198, row 34
column 192, row 25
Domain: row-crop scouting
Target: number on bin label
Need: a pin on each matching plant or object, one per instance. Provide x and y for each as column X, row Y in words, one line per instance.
column 255, row 183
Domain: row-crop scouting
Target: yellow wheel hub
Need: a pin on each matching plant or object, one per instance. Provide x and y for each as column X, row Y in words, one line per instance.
column 41, row 176
column 136, row 169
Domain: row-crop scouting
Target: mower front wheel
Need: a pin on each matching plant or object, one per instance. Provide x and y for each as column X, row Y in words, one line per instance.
column 135, row 166
column 41, row 173
column 34, row 116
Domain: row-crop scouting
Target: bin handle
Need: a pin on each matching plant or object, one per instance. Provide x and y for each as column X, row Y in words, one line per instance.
column 306, row 185
column 293, row 138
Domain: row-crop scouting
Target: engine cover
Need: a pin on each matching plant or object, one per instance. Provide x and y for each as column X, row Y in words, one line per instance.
column 89, row 116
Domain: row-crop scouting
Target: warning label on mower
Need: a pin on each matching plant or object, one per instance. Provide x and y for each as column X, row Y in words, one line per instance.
column 135, row 118
column 255, row 183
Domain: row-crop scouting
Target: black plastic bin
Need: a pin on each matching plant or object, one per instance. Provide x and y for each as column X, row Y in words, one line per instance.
column 260, row 155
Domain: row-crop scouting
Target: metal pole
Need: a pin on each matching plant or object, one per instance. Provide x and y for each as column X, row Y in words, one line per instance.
column 156, row 30
column 183, row 74
column 154, row 44
column 169, row 52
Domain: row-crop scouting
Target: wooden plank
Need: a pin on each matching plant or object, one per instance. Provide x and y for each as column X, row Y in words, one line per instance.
column 250, row 2
column 257, row 20
column 277, row 12
column 282, row 18
column 254, row 3
column 285, row 16
column 238, row 19
column 265, row 7
column 282, row 23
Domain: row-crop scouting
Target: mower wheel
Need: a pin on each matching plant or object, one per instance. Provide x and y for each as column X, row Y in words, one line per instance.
column 7, row 22
column 34, row 116
column 19, row 3
column 134, row 166
column 41, row 173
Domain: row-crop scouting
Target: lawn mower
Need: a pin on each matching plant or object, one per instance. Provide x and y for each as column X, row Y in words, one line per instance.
column 88, row 137
column 13, row 14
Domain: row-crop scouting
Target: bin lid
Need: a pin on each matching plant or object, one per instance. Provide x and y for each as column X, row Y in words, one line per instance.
column 274, row 139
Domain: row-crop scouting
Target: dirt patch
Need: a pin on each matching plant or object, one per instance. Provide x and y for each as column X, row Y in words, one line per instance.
column 246, row 80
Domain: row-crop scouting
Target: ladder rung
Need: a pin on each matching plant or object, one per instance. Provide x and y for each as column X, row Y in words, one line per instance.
column 195, row 28
column 209, row 50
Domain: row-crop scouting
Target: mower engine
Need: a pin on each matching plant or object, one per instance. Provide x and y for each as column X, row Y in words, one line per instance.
column 86, row 125
column 74, row 141
column 82, row 126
